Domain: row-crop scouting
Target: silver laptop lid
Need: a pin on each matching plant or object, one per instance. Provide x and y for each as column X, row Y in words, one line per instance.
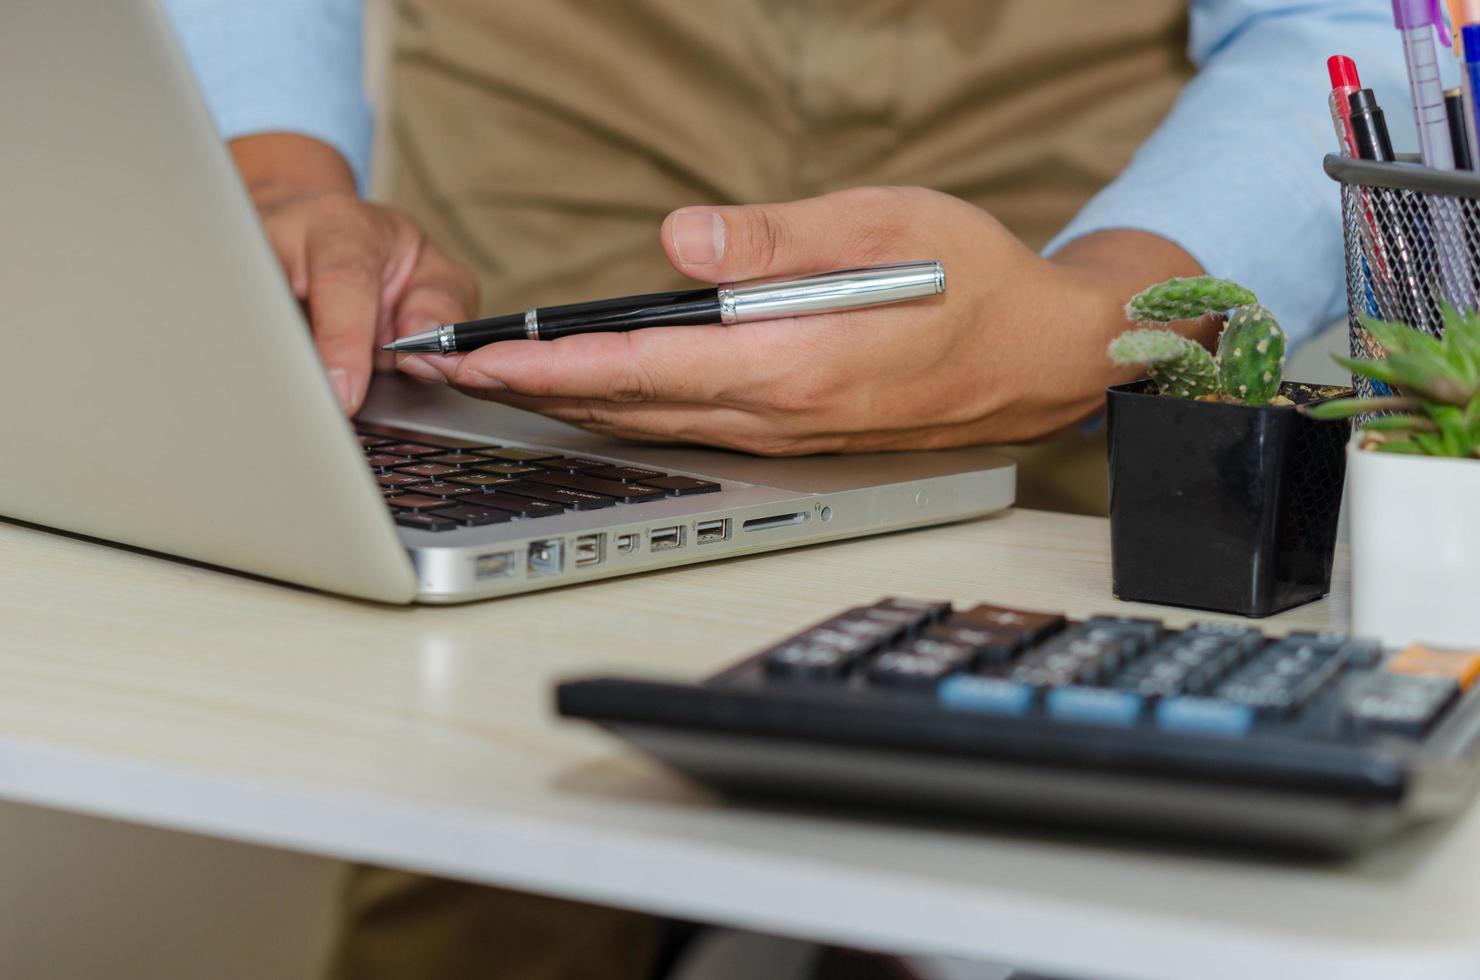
column 218, row 439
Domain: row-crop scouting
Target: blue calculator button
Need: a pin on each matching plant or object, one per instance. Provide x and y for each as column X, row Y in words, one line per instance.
column 989, row 695
column 1204, row 716
column 1094, row 705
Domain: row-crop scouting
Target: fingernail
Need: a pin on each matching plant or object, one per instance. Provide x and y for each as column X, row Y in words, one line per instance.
column 418, row 368
column 698, row 237
column 339, row 381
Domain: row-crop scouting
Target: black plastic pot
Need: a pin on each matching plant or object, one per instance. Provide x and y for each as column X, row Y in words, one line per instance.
column 1223, row 507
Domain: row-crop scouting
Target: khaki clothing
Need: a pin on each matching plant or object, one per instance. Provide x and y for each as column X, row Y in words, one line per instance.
column 542, row 142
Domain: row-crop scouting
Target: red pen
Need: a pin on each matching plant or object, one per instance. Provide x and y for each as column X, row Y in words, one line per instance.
column 1344, row 82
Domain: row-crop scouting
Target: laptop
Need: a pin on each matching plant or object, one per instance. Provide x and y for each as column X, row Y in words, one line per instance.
column 159, row 387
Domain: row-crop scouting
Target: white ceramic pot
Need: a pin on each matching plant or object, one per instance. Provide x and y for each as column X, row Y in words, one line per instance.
column 1415, row 547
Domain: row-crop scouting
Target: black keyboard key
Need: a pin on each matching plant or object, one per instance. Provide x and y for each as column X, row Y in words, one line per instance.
column 1079, row 656
column 574, row 464
column 682, row 486
column 625, row 492
column 1190, row 663
column 412, row 501
column 1404, row 704
column 514, row 454
column 394, row 479
column 425, row 522
column 1143, row 632
column 505, row 469
column 412, row 449
column 565, row 496
column 428, row 470
column 475, row 516
column 877, row 632
column 518, row 506
column 909, row 670
column 384, row 461
column 1033, row 627
column 625, row 474
column 456, row 459
column 394, row 433
column 474, row 478
column 447, row 491
column 370, row 442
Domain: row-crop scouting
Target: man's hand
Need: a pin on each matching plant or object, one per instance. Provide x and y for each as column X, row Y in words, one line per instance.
column 1014, row 349
column 364, row 272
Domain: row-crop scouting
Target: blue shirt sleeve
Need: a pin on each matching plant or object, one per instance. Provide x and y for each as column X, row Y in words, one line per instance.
column 282, row 66
column 1233, row 174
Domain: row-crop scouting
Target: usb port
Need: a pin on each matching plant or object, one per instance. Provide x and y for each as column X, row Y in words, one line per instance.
column 665, row 538
column 545, row 558
column 590, row 549
column 627, row 543
column 708, row 532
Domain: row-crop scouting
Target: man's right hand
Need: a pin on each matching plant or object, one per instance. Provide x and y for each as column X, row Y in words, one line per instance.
column 365, row 273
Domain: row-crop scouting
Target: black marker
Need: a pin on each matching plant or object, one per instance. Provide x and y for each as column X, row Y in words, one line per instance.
column 829, row 292
column 1459, row 129
column 1369, row 127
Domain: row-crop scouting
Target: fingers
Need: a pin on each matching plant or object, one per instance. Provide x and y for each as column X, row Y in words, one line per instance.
column 729, row 244
column 671, row 364
column 345, row 260
column 437, row 291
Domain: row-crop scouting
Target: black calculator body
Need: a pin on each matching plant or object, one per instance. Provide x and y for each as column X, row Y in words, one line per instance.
column 1314, row 741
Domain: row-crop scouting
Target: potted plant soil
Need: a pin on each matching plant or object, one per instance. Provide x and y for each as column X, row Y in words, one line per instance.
column 1222, row 495
column 1415, row 486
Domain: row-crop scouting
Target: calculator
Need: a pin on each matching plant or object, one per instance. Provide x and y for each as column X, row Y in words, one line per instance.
column 1313, row 741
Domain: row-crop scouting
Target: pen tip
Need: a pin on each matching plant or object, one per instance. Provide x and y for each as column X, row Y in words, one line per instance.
column 390, row 346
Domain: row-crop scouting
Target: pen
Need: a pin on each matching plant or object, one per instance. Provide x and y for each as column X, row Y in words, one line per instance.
column 1417, row 20
column 1459, row 129
column 1369, row 128
column 1470, row 35
column 1344, row 82
column 728, row 303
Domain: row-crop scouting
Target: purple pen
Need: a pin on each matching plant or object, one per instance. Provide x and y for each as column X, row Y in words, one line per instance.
column 1417, row 20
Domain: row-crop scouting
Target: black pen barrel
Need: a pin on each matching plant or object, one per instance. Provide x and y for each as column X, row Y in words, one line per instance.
column 671, row 309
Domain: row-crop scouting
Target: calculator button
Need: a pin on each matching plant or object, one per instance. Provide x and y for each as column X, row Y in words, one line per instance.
column 1142, row 632
column 1077, row 657
column 1094, row 705
column 1204, row 716
column 1405, row 704
column 929, row 609
column 1189, row 663
column 988, row 646
column 1421, row 661
column 1033, row 627
column 987, row 695
column 808, row 661
column 1283, row 676
column 899, row 669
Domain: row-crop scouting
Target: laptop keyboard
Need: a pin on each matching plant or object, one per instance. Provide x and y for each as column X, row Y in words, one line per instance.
column 440, row 483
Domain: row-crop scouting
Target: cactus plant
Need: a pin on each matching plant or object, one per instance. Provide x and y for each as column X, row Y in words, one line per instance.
column 1436, row 411
column 1177, row 366
column 1251, row 349
column 1251, row 356
column 1189, row 298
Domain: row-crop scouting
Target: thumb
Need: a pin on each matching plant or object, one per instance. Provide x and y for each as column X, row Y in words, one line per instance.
column 753, row 241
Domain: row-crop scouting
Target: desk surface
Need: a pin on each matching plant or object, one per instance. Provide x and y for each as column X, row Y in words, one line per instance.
column 155, row 691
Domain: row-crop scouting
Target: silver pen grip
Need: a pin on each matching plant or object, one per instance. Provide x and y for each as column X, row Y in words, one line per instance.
column 831, row 292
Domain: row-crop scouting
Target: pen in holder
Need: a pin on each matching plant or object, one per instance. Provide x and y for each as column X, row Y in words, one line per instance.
column 1412, row 244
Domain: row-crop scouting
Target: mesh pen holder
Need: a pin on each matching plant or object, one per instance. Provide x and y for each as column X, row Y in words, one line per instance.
column 1412, row 244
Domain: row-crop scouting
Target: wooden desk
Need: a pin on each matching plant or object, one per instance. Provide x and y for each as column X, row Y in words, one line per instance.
column 154, row 691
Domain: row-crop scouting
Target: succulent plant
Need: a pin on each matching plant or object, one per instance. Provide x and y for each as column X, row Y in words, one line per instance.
column 1251, row 349
column 1190, row 298
column 1435, row 410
